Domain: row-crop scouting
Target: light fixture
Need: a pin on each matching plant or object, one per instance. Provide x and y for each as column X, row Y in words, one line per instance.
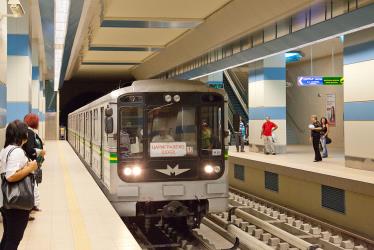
column 136, row 170
column 16, row 8
column 167, row 98
column 176, row 98
column 127, row 171
column 208, row 169
column 293, row 56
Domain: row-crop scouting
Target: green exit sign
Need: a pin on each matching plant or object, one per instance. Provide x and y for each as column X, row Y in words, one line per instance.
column 333, row 80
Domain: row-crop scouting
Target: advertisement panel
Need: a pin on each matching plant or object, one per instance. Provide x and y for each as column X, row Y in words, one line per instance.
column 331, row 109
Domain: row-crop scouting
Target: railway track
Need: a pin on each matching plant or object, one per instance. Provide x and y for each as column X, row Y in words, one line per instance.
column 252, row 223
column 253, row 209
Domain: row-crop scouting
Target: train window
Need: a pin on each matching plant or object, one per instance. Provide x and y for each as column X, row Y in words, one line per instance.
column 211, row 130
column 172, row 131
column 131, row 133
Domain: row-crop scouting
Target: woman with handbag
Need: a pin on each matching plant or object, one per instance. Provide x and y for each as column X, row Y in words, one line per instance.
column 34, row 151
column 324, row 136
column 17, row 185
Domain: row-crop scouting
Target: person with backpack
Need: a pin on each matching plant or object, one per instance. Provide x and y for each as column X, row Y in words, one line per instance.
column 15, row 168
column 34, row 151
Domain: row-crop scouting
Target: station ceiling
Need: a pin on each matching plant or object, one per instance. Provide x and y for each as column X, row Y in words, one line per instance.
column 141, row 38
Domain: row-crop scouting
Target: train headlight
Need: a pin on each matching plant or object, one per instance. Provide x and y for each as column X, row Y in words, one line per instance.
column 167, row 98
column 217, row 169
column 176, row 98
column 127, row 171
column 136, row 170
column 208, row 169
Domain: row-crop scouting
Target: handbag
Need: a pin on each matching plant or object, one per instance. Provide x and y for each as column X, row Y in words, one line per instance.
column 20, row 194
column 328, row 140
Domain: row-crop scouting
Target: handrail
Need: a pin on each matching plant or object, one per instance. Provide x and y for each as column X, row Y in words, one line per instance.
column 235, row 90
column 242, row 90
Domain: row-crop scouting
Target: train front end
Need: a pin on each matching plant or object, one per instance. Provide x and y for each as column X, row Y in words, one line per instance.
column 171, row 155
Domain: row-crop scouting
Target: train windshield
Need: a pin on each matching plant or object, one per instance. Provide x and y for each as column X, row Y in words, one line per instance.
column 131, row 131
column 172, row 131
column 211, row 130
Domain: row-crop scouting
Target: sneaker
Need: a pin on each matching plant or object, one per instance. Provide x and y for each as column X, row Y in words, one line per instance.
column 273, row 153
column 242, row 151
column 266, row 153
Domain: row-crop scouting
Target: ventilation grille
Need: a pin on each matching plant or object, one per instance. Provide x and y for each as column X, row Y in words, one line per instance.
column 271, row 181
column 239, row 172
column 333, row 198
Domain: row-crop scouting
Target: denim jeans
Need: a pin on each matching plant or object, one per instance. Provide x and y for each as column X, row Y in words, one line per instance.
column 324, row 146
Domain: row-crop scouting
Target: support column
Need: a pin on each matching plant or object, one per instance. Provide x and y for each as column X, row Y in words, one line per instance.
column 359, row 99
column 3, row 66
column 19, row 66
column 41, row 106
column 267, row 97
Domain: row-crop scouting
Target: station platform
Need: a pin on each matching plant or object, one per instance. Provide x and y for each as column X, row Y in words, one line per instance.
column 75, row 213
column 299, row 183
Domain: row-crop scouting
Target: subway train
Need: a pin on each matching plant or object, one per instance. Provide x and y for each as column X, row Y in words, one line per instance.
column 157, row 148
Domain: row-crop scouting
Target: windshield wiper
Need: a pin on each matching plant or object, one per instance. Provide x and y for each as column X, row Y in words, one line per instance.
column 160, row 107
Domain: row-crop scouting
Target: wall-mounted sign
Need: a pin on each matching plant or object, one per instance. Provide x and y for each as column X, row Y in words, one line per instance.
column 168, row 149
column 319, row 80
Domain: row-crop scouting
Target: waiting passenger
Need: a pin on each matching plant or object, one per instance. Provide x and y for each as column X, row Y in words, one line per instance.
column 315, row 136
column 206, row 136
column 14, row 167
column 324, row 136
column 267, row 132
column 163, row 137
column 240, row 135
column 34, row 151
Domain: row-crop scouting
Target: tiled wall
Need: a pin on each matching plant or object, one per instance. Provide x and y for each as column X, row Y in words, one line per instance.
column 359, row 99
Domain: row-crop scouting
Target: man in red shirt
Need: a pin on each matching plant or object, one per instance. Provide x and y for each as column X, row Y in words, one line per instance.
column 267, row 132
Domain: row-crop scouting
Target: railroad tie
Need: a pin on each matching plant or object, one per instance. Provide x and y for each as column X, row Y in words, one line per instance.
column 283, row 246
column 274, row 241
column 347, row 244
column 315, row 230
column 297, row 223
column 257, row 233
column 250, row 229
column 335, row 239
column 265, row 237
column 359, row 247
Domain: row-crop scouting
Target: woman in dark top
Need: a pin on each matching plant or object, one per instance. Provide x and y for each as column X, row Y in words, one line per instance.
column 315, row 136
column 324, row 133
column 34, row 148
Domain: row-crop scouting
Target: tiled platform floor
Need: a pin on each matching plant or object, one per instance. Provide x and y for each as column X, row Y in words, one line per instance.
column 75, row 213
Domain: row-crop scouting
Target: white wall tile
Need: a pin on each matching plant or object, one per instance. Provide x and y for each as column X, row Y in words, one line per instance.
column 19, row 79
column 359, row 138
column 358, row 81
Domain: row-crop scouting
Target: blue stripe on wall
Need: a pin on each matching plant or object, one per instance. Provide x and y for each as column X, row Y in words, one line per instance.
column 35, row 73
column 267, row 74
column 2, row 105
column 18, row 45
column 275, row 113
column 359, row 111
column 359, row 53
column 17, row 110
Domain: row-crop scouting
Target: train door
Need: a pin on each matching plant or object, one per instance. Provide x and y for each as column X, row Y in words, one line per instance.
column 84, row 135
column 92, row 126
column 79, row 133
column 101, row 143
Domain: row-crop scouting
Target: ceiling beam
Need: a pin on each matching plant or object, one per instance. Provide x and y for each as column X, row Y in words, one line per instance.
column 106, row 23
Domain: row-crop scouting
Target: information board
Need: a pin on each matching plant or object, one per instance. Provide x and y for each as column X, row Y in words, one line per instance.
column 168, row 149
